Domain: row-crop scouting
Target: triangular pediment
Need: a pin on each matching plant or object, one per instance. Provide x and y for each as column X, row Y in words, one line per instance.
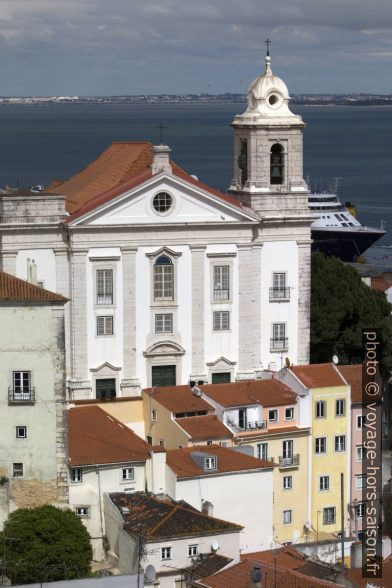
column 189, row 204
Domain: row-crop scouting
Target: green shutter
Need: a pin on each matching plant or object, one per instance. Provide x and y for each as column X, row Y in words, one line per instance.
column 164, row 375
column 105, row 388
column 221, row 378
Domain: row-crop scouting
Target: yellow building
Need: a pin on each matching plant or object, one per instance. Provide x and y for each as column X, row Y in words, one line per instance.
column 325, row 405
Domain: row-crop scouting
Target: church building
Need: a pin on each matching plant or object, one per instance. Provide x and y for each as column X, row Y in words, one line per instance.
column 170, row 280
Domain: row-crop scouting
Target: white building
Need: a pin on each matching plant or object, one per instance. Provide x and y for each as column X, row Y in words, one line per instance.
column 169, row 279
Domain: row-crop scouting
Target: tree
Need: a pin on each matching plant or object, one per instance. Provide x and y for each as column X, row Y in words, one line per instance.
column 45, row 544
column 341, row 306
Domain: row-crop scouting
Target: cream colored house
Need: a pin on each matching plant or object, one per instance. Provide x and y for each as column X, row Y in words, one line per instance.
column 33, row 468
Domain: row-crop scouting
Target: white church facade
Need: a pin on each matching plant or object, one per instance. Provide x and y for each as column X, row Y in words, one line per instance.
column 170, row 280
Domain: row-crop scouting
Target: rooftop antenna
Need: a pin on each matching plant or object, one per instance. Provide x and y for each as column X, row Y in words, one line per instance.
column 268, row 43
column 161, row 128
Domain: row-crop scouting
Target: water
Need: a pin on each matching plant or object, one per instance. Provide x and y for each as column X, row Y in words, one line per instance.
column 41, row 143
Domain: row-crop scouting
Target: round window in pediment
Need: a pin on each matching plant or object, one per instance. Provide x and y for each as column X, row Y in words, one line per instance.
column 162, row 202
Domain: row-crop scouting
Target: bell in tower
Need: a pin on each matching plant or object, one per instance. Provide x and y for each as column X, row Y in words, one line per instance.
column 268, row 150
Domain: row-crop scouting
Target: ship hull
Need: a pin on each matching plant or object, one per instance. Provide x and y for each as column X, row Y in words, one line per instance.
column 345, row 244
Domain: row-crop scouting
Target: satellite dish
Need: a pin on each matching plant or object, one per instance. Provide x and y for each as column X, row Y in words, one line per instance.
column 150, row 573
column 214, row 546
column 335, row 359
column 196, row 391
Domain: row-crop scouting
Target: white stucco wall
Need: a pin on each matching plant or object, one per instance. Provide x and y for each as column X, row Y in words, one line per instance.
column 45, row 261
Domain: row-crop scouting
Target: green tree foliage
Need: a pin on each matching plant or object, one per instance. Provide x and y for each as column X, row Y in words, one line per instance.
column 341, row 306
column 45, row 544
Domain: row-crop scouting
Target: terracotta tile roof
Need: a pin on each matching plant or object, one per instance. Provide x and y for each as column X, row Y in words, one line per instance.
column 200, row 428
column 158, row 519
column 318, row 375
column 178, row 399
column 353, row 375
column 239, row 576
column 285, row 557
column 207, row 564
column 117, row 164
column 380, row 284
column 265, row 392
column 13, row 289
column 95, row 437
column 228, row 460
column 356, row 576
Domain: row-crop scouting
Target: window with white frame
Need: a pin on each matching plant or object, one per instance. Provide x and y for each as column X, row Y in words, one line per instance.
column 163, row 278
column 272, row 415
column 329, row 515
column 361, row 452
column 323, row 483
column 289, row 414
column 262, row 450
column 279, row 281
column 193, row 550
column 164, row 322
column 321, row 409
column 21, row 432
column 210, row 463
column 127, row 474
column 287, row 517
column 340, row 443
column 82, row 511
column 340, row 407
column 104, row 325
column 154, row 414
column 22, row 382
column 221, row 282
column 360, row 481
column 361, row 420
column 76, row 475
column 221, row 320
column 17, row 470
column 279, row 336
column 166, row 552
column 321, row 445
column 287, row 482
column 360, row 510
column 104, row 279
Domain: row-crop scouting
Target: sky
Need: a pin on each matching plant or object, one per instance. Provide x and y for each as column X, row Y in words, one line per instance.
column 117, row 47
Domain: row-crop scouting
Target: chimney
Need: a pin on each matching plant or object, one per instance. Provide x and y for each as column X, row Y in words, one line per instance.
column 161, row 161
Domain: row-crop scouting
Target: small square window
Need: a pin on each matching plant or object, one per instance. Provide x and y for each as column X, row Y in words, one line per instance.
column 323, row 483
column 289, row 414
column 287, row 482
column 193, row 550
column 360, row 510
column 361, row 453
column 21, row 432
column 320, row 410
column 210, row 463
column 272, row 415
column 329, row 515
column 321, row 445
column 127, row 474
column 82, row 511
column 221, row 320
column 17, row 470
column 340, row 443
column 287, row 517
column 162, row 442
column 104, row 325
column 164, row 323
column 361, row 420
column 360, row 481
column 340, row 407
column 76, row 475
column 166, row 552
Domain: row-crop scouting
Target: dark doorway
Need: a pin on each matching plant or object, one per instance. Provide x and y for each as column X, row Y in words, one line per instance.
column 163, row 375
column 221, row 378
column 105, row 388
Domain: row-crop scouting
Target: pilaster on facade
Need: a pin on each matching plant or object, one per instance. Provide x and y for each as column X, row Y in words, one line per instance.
column 130, row 383
column 197, row 293
column 78, row 295
column 304, row 268
column 8, row 262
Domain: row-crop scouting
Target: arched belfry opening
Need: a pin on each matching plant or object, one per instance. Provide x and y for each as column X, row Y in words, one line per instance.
column 277, row 164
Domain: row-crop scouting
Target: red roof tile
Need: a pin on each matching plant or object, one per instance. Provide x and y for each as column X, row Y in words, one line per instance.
column 353, row 375
column 95, row 437
column 318, row 375
column 178, row 399
column 201, row 428
column 228, row 460
column 13, row 289
column 265, row 392
column 380, row 284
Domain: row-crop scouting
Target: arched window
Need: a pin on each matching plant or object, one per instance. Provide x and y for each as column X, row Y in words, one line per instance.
column 163, row 278
column 277, row 164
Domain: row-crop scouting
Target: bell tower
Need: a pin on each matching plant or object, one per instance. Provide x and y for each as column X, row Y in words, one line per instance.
column 268, row 150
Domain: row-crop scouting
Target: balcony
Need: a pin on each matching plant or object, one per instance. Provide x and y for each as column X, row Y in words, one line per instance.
column 254, row 426
column 289, row 462
column 21, row 396
column 279, row 294
column 279, row 344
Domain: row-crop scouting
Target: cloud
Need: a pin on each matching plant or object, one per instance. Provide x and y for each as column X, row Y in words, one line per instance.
column 137, row 46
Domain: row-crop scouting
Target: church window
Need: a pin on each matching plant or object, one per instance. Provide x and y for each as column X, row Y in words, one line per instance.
column 221, row 321
column 221, row 282
column 277, row 166
column 243, row 161
column 104, row 325
column 163, row 278
column 104, row 286
column 162, row 202
column 164, row 323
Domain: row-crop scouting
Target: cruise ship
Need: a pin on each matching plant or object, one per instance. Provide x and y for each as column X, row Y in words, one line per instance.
column 336, row 230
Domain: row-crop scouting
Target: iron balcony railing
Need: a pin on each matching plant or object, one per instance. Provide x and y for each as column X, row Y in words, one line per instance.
column 21, row 396
column 286, row 462
column 250, row 426
column 279, row 293
column 280, row 344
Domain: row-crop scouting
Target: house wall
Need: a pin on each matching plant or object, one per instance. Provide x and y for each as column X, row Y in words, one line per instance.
column 356, row 523
column 32, row 339
column 164, row 428
column 244, row 498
